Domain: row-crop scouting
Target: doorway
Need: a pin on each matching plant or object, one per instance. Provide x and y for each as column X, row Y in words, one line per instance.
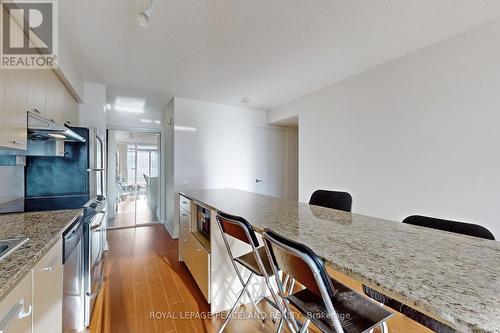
column 134, row 174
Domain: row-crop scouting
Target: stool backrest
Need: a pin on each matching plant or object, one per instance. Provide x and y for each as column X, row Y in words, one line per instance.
column 300, row 262
column 332, row 199
column 451, row 226
column 238, row 228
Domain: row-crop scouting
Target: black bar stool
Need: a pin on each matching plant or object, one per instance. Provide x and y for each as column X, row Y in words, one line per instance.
column 325, row 302
column 255, row 261
column 332, row 199
column 439, row 224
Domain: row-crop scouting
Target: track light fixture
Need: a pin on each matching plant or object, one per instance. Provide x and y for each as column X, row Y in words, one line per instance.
column 143, row 18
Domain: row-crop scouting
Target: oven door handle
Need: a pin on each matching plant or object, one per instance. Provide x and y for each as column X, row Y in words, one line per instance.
column 98, row 225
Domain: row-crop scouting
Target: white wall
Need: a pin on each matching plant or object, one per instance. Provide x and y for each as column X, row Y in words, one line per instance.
column 292, row 163
column 92, row 111
column 219, row 153
column 419, row 135
column 168, row 209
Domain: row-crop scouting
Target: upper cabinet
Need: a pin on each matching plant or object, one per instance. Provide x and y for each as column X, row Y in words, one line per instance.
column 35, row 90
column 14, row 117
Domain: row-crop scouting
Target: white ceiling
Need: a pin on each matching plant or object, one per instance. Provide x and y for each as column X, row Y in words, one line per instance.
column 224, row 50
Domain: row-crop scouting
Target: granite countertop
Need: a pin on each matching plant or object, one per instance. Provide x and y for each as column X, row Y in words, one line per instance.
column 451, row 277
column 44, row 229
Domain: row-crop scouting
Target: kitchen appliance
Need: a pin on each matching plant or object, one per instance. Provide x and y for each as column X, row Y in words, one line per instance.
column 73, row 291
column 56, row 183
column 94, row 229
column 203, row 221
column 42, row 129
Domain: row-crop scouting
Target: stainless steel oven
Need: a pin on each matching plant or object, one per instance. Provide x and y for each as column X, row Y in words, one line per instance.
column 94, row 229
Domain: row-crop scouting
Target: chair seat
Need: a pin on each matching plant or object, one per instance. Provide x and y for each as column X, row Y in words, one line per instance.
column 411, row 313
column 356, row 313
column 248, row 260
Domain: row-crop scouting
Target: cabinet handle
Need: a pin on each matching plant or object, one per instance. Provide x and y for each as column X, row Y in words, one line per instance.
column 47, row 269
column 15, row 142
column 52, row 120
column 184, row 202
column 16, row 311
column 184, row 214
column 23, row 313
column 198, row 250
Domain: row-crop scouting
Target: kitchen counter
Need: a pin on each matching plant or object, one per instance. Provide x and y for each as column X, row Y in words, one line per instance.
column 451, row 277
column 44, row 229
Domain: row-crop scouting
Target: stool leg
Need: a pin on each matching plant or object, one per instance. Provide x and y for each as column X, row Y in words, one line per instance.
column 221, row 329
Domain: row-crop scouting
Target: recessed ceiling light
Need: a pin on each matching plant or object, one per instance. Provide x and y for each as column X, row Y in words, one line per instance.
column 157, row 122
column 146, row 121
column 248, row 100
column 129, row 104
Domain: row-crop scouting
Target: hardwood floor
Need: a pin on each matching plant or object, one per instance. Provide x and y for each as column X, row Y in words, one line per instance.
column 131, row 207
column 143, row 276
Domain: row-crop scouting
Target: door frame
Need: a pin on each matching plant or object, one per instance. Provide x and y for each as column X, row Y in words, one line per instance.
column 160, row 166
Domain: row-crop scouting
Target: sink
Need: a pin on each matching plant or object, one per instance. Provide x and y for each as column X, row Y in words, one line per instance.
column 7, row 246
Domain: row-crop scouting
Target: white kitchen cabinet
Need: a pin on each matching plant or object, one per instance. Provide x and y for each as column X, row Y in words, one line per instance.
column 16, row 308
column 14, row 118
column 37, row 91
column 48, row 292
column 70, row 114
column 55, row 98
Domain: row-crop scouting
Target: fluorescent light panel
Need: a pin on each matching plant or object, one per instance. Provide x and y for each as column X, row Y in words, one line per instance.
column 129, row 104
column 185, row 128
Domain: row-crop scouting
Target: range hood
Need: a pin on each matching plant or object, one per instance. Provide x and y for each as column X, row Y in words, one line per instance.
column 42, row 129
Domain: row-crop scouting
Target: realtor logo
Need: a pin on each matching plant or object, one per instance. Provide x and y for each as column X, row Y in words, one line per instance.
column 29, row 34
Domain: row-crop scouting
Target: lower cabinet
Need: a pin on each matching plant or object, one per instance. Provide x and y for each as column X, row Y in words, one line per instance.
column 35, row 304
column 48, row 292
column 16, row 308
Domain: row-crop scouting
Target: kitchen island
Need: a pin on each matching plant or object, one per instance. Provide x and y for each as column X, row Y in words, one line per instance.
column 452, row 278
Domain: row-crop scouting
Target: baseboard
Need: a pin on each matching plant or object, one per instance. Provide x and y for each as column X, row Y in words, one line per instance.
column 169, row 229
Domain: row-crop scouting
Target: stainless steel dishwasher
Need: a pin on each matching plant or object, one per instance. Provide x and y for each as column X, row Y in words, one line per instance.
column 73, row 291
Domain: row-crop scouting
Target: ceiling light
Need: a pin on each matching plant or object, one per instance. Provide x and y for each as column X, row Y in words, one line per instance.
column 185, row 129
column 248, row 100
column 157, row 122
column 146, row 121
column 129, row 104
column 142, row 19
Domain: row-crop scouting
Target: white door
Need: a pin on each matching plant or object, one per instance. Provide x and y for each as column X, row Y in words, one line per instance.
column 269, row 159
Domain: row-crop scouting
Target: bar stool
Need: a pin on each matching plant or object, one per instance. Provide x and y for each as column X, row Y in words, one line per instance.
column 439, row 224
column 328, row 304
column 332, row 199
column 255, row 261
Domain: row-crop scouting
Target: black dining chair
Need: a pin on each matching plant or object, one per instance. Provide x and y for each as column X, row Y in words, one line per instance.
column 439, row 224
column 328, row 304
column 332, row 199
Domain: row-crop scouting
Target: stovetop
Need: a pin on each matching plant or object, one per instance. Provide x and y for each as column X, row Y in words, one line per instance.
column 36, row 204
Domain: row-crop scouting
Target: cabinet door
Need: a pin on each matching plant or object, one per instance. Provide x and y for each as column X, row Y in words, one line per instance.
column 37, row 90
column 183, row 233
column 55, row 98
column 16, row 308
column 14, row 121
column 48, row 292
column 70, row 109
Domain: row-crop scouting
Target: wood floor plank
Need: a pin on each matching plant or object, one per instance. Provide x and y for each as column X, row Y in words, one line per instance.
column 143, row 274
column 145, row 322
column 164, row 323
